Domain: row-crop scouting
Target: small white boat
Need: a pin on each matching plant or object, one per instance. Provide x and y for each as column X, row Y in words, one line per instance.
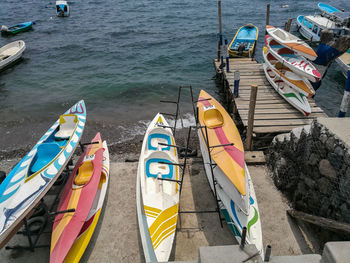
column 62, row 8
column 344, row 63
column 295, row 81
column 297, row 99
column 288, row 40
column 11, row 52
column 157, row 191
column 298, row 64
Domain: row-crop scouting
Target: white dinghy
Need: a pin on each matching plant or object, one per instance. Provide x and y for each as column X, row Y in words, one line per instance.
column 11, row 52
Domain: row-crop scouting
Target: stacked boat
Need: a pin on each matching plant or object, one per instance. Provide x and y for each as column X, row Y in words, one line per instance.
column 223, row 157
column 287, row 68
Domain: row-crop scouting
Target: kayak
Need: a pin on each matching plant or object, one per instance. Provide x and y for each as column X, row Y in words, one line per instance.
column 288, row 40
column 297, row 82
column 12, row 30
column 297, row 99
column 157, row 191
column 229, row 158
column 298, row 64
column 34, row 175
column 243, row 43
column 79, row 193
column 11, row 53
column 222, row 130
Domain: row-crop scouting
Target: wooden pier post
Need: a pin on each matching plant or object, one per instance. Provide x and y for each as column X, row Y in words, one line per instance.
column 267, row 14
column 252, row 102
column 220, row 29
column 288, row 24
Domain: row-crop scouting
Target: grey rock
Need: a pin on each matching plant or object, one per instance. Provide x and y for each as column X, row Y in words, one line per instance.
column 326, row 169
column 309, row 182
column 313, row 159
column 330, row 144
column 324, row 185
column 335, row 160
column 339, row 151
column 347, row 157
column 323, row 138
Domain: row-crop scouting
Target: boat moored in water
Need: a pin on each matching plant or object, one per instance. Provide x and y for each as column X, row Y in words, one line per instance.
column 62, row 8
column 13, row 30
column 243, row 43
column 11, row 52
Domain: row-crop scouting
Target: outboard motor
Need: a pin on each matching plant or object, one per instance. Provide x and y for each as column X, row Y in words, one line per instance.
column 4, row 28
column 240, row 49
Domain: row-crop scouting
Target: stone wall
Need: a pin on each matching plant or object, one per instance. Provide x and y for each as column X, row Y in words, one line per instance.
column 311, row 166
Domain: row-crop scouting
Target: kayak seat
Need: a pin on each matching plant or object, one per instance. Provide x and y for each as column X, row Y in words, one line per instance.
column 67, row 126
column 155, row 169
column 85, row 172
column 213, row 118
column 45, row 153
column 155, row 138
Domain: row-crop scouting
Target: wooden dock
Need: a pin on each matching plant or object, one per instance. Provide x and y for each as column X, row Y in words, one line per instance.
column 272, row 113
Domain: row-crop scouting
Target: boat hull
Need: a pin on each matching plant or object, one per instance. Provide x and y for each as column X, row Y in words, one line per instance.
column 234, row 216
column 82, row 241
column 21, row 191
column 298, row 64
column 157, row 200
column 246, row 35
column 79, row 194
column 10, row 53
column 344, row 63
column 293, row 97
column 305, row 31
column 13, row 30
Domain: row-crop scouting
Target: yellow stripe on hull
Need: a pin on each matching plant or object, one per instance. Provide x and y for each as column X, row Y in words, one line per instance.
column 80, row 245
column 165, row 222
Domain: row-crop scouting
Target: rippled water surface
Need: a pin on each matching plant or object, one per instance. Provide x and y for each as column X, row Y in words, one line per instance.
column 122, row 57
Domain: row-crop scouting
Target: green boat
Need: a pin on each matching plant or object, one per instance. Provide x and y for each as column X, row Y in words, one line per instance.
column 13, row 30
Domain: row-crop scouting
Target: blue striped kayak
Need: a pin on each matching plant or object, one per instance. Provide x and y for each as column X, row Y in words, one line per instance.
column 243, row 43
column 33, row 176
column 13, row 30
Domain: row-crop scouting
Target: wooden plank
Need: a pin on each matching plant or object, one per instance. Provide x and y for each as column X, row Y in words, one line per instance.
column 276, row 106
column 242, row 102
column 254, row 157
column 279, row 111
column 280, row 122
column 275, row 129
column 321, row 221
column 291, row 115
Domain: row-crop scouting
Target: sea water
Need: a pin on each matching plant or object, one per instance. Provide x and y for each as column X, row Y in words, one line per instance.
column 124, row 56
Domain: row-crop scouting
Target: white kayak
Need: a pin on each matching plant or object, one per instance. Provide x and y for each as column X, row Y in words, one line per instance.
column 296, row 99
column 11, row 52
column 288, row 40
column 298, row 64
column 295, row 81
column 157, row 192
